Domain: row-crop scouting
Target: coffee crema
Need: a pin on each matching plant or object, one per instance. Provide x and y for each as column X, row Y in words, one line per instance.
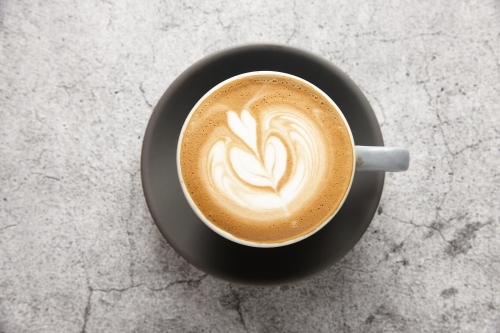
column 266, row 158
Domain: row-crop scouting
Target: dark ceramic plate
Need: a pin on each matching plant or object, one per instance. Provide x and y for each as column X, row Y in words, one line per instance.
column 205, row 249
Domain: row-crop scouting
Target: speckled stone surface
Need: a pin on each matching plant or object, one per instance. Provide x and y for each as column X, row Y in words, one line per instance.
column 79, row 251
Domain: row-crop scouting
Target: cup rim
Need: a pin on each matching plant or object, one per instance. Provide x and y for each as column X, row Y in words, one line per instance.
column 226, row 234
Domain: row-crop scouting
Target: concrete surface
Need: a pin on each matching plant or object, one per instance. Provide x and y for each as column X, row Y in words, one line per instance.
column 79, row 251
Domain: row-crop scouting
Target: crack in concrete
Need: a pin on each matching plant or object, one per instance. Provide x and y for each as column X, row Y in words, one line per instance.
column 440, row 125
column 224, row 27
column 193, row 282
column 438, row 218
column 217, row 10
column 424, row 83
column 39, row 158
column 118, row 290
column 423, row 35
column 7, row 227
column 46, row 176
column 127, row 225
column 432, row 226
column 143, row 92
column 238, row 307
column 86, row 313
column 357, row 269
column 296, row 16
column 451, row 163
column 490, row 48
column 474, row 145
column 39, row 119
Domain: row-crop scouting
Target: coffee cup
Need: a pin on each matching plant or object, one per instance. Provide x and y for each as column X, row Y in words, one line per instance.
column 266, row 159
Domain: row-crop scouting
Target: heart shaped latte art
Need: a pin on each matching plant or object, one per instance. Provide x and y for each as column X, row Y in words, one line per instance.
column 266, row 165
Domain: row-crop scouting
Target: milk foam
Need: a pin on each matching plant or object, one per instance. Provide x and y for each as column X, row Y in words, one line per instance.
column 248, row 166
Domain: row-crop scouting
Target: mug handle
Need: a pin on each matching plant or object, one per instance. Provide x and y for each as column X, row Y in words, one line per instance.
column 371, row 158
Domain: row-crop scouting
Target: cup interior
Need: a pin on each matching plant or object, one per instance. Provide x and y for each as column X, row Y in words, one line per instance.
column 224, row 233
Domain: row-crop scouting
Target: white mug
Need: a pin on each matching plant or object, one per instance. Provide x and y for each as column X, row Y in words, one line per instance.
column 366, row 158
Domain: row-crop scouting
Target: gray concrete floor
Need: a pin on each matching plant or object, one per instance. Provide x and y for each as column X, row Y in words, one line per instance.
column 79, row 251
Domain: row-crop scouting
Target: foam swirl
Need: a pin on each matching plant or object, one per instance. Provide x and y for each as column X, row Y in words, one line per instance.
column 266, row 165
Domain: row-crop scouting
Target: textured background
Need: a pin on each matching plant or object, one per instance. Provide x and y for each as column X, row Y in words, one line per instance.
column 79, row 251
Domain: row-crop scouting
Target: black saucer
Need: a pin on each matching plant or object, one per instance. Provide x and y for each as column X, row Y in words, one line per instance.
column 212, row 253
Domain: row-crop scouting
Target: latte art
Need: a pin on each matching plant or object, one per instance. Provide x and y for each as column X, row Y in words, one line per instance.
column 266, row 158
column 252, row 176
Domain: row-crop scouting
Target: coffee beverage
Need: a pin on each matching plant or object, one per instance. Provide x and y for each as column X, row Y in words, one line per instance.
column 266, row 157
